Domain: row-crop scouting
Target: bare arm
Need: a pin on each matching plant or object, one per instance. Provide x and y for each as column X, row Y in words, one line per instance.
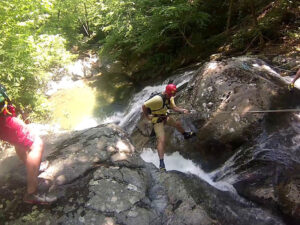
column 176, row 108
column 145, row 112
column 180, row 110
column 296, row 77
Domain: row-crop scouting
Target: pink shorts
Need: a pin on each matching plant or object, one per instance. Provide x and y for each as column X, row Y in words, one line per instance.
column 15, row 132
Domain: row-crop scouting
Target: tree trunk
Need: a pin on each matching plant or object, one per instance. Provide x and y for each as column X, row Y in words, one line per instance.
column 229, row 16
column 186, row 39
column 86, row 20
column 255, row 23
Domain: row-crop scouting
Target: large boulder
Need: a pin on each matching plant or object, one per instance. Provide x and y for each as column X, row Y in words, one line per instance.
column 99, row 179
column 265, row 166
column 267, row 171
column 258, row 152
column 223, row 94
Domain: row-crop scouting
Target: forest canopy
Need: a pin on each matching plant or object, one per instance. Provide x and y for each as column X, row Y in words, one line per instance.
column 36, row 35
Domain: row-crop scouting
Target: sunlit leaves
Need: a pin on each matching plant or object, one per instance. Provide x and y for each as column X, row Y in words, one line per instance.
column 139, row 27
column 25, row 54
column 34, row 33
column 49, row 51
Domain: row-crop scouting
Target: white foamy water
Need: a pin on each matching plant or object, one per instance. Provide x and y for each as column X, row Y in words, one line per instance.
column 175, row 161
column 82, row 66
column 86, row 123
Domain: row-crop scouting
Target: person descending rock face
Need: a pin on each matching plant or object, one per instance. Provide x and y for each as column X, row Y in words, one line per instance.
column 155, row 110
column 28, row 146
column 292, row 84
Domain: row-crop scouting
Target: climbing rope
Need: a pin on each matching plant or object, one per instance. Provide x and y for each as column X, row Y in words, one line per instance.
column 267, row 111
column 274, row 110
column 251, row 111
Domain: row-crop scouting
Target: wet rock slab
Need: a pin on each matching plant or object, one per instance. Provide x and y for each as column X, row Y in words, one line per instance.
column 100, row 179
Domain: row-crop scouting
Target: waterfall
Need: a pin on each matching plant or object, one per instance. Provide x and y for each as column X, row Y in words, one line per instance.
column 129, row 118
column 175, row 161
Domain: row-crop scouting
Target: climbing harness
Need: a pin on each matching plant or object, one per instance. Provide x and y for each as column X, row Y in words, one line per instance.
column 6, row 108
column 158, row 118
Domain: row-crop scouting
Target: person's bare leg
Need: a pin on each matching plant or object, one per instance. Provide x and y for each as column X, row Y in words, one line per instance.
column 179, row 127
column 161, row 152
column 161, row 146
column 33, row 161
column 22, row 154
column 177, row 124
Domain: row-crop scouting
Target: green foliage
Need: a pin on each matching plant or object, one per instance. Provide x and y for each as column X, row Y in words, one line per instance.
column 148, row 28
column 25, row 54
column 242, row 38
column 267, row 26
column 155, row 34
column 278, row 16
column 49, row 51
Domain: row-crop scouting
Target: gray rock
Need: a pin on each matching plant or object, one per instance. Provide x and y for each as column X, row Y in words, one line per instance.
column 100, row 178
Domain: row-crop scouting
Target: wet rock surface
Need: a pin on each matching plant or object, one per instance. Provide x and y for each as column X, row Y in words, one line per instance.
column 256, row 152
column 99, row 177
column 222, row 94
column 268, row 171
column 108, row 183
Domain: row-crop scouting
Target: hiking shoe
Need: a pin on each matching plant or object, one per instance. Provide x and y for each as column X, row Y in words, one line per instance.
column 188, row 135
column 44, row 165
column 162, row 169
column 162, row 166
column 39, row 199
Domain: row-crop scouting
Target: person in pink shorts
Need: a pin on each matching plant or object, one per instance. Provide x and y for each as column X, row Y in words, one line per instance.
column 28, row 146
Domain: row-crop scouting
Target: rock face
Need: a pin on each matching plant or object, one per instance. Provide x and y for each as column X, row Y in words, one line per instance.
column 266, row 164
column 225, row 91
column 222, row 93
column 260, row 150
column 268, row 171
column 100, row 179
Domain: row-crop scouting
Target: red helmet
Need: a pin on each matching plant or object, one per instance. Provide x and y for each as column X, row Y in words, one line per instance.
column 171, row 89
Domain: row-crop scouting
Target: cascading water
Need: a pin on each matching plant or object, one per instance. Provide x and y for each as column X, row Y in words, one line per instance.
column 269, row 148
column 129, row 118
column 175, row 161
